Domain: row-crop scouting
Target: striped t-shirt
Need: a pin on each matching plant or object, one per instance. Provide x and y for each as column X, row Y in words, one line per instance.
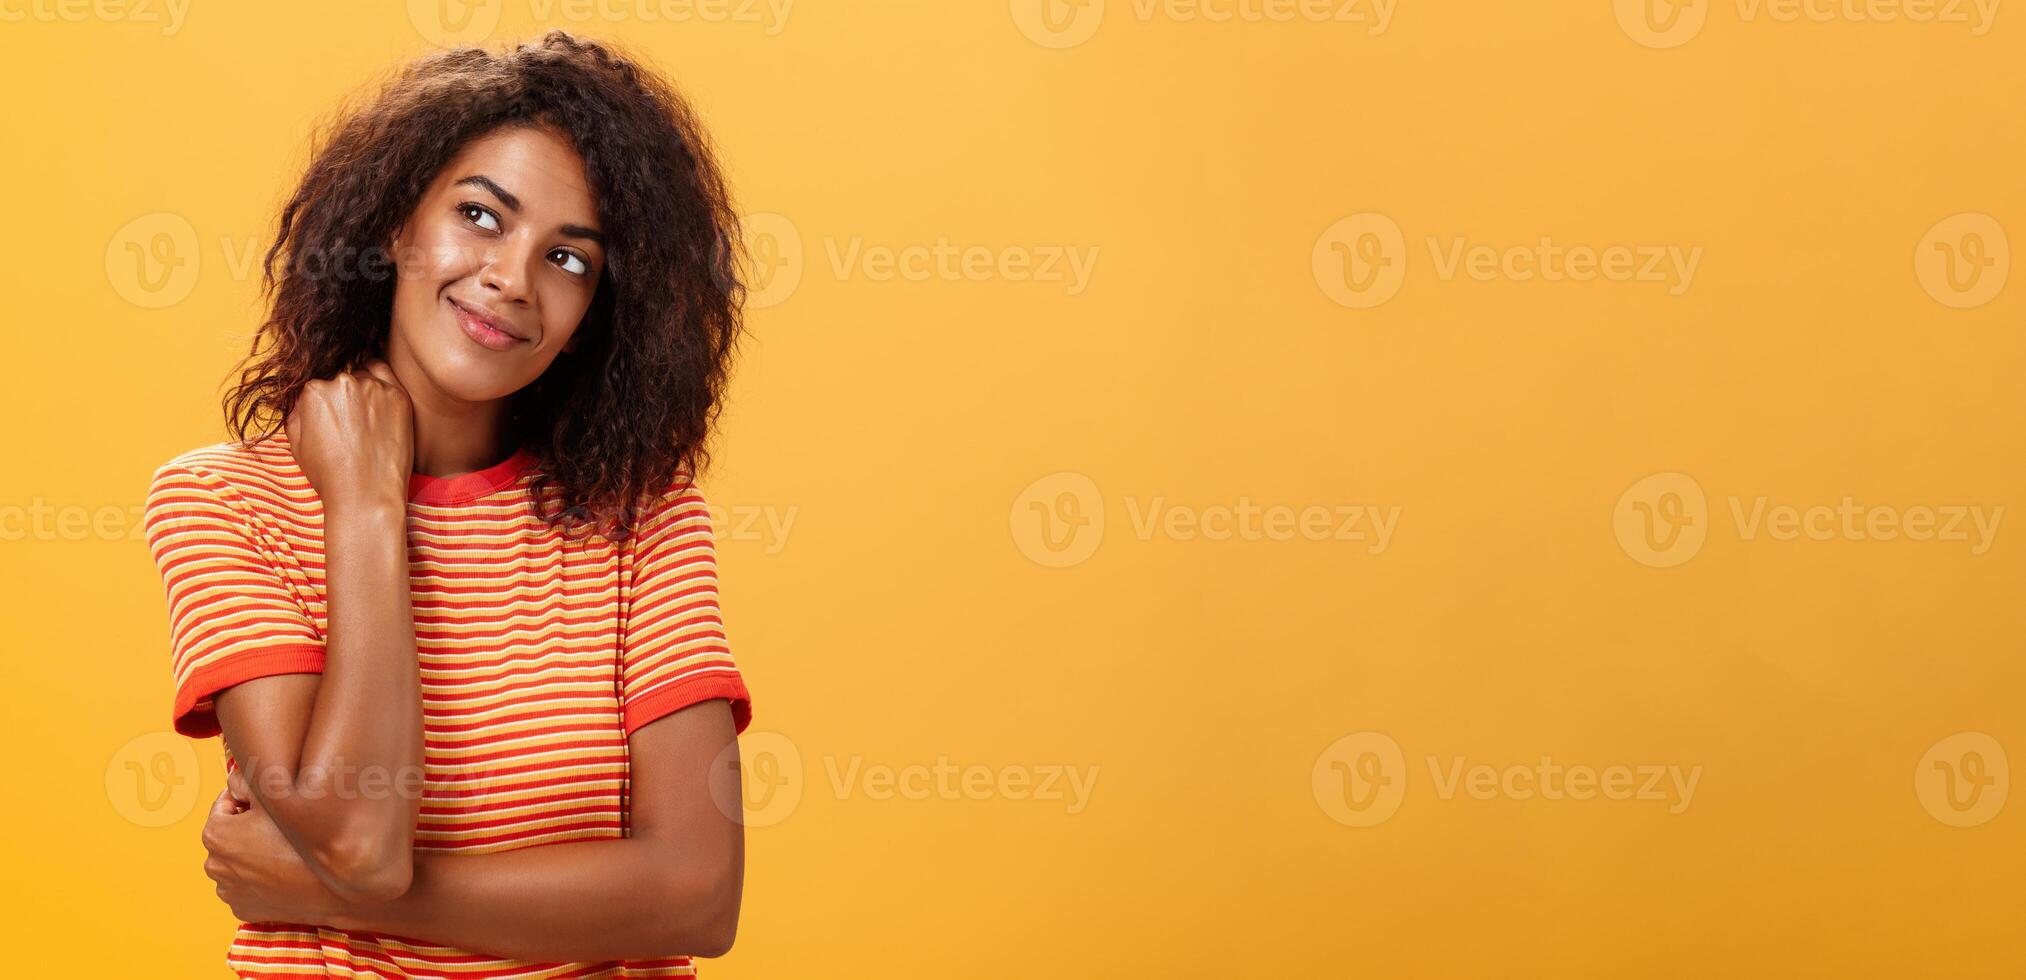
column 539, row 656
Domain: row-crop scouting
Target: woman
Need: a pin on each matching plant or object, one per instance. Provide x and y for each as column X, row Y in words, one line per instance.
column 456, row 615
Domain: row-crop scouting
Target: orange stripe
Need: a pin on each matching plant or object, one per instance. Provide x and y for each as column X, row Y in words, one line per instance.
column 538, row 658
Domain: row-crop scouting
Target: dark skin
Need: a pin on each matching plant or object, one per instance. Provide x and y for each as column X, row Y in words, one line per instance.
column 672, row 888
column 508, row 232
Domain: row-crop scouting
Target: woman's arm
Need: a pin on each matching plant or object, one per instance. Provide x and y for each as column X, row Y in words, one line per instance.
column 671, row 889
column 336, row 759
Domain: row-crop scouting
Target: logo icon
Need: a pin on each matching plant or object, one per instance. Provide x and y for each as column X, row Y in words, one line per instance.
column 1361, row 260
column 152, row 260
column 1662, row 24
column 1360, row 779
column 770, row 779
column 1963, row 260
column 1058, row 521
column 152, row 780
column 773, row 258
column 1963, row 779
column 1663, row 520
column 454, row 23
column 1058, row 23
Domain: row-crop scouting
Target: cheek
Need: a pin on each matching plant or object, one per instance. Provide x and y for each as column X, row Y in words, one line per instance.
column 434, row 255
column 563, row 312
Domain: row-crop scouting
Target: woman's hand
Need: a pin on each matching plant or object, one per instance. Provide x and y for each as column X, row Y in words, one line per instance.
column 259, row 873
column 354, row 436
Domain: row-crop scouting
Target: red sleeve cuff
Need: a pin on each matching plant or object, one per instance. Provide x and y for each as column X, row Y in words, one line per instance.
column 682, row 694
column 194, row 714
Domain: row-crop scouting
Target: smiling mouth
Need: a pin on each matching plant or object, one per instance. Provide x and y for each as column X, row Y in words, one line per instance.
column 488, row 331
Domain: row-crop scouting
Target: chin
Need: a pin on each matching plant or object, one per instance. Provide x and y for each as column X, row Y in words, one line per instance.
column 469, row 378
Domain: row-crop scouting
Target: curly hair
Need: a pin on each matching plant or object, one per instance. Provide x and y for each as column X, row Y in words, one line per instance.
column 629, row 413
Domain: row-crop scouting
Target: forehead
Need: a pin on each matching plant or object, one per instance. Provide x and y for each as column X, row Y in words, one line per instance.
column 536, row 165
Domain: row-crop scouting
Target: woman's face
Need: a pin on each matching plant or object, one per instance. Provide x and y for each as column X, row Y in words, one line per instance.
column 496, row 266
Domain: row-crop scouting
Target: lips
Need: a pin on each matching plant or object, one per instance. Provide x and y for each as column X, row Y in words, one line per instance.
column 488, row 329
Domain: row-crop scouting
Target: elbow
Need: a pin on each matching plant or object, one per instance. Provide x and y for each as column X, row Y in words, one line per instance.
column 713, row 923
column 716, row 940
column 380, row 884
column 368, row 871
column 363, row 851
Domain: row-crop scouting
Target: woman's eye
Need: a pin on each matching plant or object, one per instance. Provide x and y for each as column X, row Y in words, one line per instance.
column 573, row 263
column 480, row 216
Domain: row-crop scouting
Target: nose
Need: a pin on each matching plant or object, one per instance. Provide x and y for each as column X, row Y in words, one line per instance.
column 506, row 273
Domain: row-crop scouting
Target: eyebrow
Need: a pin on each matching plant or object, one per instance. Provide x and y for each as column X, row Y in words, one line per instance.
column 514, row 204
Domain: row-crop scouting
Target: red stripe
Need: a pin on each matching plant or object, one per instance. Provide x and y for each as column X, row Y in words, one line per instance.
column 538, row 656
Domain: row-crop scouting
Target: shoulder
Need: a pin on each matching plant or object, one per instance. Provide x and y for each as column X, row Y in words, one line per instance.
column 259, row 475
column 678, row 509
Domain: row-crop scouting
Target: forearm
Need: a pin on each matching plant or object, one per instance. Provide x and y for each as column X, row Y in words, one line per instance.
column 357, row 786
column 628, row 898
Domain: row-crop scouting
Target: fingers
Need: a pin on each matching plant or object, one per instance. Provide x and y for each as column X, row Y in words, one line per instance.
column 209, row 835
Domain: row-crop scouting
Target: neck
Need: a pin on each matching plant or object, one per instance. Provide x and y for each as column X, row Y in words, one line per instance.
column 451, row 443
column 452, row 436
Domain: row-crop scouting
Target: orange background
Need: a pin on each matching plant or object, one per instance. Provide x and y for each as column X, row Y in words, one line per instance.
column 1006, row 501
